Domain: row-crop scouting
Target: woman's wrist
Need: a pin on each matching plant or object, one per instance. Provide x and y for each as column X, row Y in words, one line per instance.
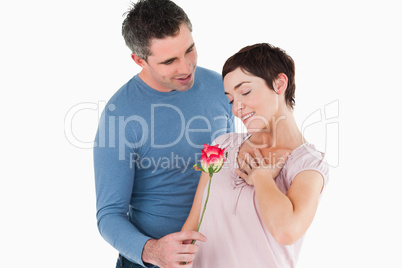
column 262, row 177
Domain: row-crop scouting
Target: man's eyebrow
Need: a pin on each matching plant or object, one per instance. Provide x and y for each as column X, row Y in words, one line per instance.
column 168, row 60
column 172, row 59
column 190, row 47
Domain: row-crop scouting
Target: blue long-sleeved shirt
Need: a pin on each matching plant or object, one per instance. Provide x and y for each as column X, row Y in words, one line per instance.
column 146, row 144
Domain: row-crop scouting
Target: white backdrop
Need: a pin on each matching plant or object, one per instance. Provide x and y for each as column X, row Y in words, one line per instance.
column 60, row 61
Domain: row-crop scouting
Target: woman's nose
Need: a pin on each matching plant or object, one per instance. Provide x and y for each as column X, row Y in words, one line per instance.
column 237, row 108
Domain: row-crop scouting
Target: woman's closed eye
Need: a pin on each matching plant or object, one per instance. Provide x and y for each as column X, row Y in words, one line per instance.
column 244, row 94
column 247, row 92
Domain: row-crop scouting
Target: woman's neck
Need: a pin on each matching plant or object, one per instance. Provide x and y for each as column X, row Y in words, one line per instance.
column 282, row 132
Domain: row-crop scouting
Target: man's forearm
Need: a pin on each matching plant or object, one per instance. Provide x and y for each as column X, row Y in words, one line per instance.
column 119, row 232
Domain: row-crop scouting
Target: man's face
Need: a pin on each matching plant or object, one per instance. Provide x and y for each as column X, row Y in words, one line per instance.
column 172, row 62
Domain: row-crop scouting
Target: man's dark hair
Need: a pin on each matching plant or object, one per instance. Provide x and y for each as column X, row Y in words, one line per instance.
column 148, row 19
column 267, row 62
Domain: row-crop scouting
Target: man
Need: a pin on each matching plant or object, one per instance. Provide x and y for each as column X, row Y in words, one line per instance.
column 150, row 135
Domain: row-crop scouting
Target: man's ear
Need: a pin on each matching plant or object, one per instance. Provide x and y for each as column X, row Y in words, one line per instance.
column 281, row 83
column 141, row 62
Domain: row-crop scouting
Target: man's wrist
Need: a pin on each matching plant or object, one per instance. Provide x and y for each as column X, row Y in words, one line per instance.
column 147, row 256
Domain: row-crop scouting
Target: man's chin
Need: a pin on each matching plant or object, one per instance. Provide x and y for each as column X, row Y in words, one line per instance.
column 185, row 87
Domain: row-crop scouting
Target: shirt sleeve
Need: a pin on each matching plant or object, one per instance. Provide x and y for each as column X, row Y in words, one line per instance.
column 309, row 159
column 114, row 180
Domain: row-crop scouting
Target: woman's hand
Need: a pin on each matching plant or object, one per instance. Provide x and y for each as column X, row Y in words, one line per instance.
column 259, row 166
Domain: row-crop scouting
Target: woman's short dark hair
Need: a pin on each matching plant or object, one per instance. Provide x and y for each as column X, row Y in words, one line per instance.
column 267, row 62
column 148, row 19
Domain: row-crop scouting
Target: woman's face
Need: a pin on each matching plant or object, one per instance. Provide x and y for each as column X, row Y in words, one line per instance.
column 254, row 103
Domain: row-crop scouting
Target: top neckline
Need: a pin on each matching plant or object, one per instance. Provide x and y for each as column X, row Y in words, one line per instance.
column 292, row 154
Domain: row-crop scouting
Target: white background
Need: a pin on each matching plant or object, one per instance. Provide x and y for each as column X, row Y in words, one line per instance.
column 56, row 55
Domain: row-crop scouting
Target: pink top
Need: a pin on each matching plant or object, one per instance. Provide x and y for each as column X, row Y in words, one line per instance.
column 232, row 224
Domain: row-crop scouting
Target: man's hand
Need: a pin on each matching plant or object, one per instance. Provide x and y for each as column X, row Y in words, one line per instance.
column 172, row 250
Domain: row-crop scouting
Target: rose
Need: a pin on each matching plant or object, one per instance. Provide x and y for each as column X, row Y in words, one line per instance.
column 212, row 159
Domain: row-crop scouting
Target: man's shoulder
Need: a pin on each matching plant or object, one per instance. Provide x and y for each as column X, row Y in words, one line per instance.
column 126, row 98
column 124, row 91
column 201, row 71
column 208, row 79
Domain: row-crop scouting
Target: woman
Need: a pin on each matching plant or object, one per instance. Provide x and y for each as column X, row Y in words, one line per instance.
column 259, row 207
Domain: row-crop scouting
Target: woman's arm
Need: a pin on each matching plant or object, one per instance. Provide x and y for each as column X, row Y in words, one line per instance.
column 287, row 217
column 193, row 218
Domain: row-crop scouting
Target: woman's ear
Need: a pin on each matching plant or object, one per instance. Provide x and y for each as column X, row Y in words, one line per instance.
column 281, row 83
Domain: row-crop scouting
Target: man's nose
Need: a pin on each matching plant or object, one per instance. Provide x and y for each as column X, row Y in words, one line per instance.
column 184, row 66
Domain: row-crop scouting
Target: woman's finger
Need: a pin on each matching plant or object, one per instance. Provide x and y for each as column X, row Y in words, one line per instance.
column 241, row 174
column 251, row 161
column 259, row 157
column 244, row 165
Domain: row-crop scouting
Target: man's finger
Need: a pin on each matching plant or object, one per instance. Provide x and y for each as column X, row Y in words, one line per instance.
column 185, row 258
column 189, row 248
column 190, row 235
column 186, row 264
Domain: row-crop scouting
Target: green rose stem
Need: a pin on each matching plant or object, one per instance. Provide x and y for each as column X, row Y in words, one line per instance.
column 205, row 204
